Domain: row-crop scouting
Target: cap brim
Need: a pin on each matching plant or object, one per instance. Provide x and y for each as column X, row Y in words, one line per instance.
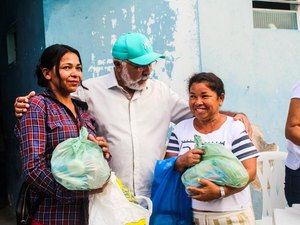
column 146, row 59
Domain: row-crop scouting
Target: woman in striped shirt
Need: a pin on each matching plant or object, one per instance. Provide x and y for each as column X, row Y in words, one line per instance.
column 213, row 204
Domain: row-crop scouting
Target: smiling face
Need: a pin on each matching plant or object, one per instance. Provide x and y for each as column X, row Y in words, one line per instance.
column 204, row 102
column 69, row 77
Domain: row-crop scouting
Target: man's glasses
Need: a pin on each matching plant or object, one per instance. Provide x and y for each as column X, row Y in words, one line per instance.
column 140, row 68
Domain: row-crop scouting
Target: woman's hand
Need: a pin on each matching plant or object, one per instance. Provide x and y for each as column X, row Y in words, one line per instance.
column 99, row 190
column 188, row 159
column 209, row 191
column 101, row 141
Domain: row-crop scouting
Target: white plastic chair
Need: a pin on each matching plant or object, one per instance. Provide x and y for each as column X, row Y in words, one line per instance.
column 271, row 175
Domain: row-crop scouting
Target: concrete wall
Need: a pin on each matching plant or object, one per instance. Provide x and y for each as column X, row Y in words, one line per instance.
column 195, row 36
column 172, row 26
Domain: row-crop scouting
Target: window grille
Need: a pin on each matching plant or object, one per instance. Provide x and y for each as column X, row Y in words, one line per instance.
column 274, row 14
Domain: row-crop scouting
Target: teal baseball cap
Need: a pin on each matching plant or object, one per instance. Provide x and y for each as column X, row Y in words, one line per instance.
column 136, row 48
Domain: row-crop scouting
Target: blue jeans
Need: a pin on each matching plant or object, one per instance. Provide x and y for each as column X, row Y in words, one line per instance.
column 292, row 186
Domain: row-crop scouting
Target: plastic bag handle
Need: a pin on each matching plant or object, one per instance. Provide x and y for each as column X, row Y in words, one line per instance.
column 148, row 201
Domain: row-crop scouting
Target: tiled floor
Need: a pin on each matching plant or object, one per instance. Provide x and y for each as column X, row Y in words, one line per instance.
column 7, row 216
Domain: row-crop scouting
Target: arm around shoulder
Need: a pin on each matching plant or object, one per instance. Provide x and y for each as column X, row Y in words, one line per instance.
column 241, row 117
column 21, row 104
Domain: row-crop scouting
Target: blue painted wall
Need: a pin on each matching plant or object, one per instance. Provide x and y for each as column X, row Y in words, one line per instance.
column 92, row 28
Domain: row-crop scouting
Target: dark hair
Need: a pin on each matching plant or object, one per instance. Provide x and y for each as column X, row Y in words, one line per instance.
column 51, row 57
column 212, row 81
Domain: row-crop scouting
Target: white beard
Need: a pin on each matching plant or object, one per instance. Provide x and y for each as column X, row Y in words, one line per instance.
column 128, row 82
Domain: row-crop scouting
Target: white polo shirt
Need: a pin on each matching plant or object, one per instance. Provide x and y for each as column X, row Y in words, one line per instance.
column 135, row 128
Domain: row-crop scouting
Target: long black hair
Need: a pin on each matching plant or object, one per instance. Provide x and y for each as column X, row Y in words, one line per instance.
column 51, row 57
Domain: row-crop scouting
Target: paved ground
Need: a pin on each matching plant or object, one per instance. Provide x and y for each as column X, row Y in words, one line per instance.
column 7, row 216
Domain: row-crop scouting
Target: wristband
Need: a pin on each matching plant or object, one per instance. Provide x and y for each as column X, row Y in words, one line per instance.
column 222, row 192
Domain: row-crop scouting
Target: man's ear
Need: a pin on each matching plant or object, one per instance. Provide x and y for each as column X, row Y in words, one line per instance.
column 117, row 63
column 47, row 73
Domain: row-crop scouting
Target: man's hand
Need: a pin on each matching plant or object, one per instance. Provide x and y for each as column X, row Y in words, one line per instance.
column 243, row 118
column 21, row 104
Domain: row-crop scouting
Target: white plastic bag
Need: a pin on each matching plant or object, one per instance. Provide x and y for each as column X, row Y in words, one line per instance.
column 111, row 207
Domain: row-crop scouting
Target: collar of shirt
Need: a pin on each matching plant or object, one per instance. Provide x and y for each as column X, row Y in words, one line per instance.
column 112, row 82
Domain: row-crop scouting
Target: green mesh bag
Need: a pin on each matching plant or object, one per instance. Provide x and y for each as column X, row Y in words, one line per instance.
column 218, row 165
column 79, row 164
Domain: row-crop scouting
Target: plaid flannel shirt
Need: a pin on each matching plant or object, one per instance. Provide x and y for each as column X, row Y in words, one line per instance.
column 47, row 123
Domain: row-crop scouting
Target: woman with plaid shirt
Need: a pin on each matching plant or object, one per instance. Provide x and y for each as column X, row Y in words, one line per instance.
column 53, row 117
